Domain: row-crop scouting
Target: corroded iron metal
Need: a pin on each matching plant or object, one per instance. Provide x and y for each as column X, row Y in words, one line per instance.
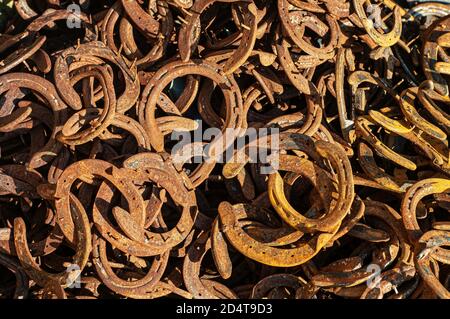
column 97, row 199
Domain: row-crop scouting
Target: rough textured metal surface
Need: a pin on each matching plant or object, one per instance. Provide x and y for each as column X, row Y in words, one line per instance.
column 97, row 202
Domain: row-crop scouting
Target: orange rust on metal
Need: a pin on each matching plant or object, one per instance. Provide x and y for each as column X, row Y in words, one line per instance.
column 333, row 180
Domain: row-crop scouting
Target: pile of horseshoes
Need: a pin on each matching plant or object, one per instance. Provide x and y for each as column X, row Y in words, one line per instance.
column 93, row 204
